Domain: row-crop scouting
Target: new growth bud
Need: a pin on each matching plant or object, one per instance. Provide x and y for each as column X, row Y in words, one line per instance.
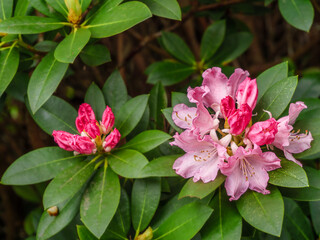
column 74, row 11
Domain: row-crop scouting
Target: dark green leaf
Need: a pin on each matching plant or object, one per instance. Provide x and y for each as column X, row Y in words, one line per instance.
column 39, row 165
column 102, row 7
column 127, row 163
column 71, row 46
column 118, row 19
column 276, row 98
column 45, row 46
column 212, row 39
column 59, row 6
column 21, row 7
column 178, row 97
column 29, row 25
column 145, row 198
column 177, row 48
column 9, row 59
column 67, row 183
column 308, row 86
column 264, row 212
column 95, row 98
column 169, row 73
column 315, row 213
column 115, row 92
column 28, row 193
column 45, row 80
column 100, row 201
column 84, row 4
column 85, row 234
column 200, row 189
column 160, row 167
column 95, row 55
column 130, row 114
column 5, row 9
column 225, row 223
column 289, row 175
column 167, row 112
column 312, row 112
column 157, row 101
column 164, row 8
column 42, row 7
column 298, row 13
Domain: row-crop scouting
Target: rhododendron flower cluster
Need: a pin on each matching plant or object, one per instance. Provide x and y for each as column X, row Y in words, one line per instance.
column 219, row 134
column 94, row 136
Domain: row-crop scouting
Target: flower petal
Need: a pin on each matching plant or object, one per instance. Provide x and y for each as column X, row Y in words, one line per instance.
column 183, row 115
column 294, row 111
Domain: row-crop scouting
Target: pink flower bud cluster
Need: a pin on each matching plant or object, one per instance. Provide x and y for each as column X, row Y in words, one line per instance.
column 227, row 141
column 94, row 136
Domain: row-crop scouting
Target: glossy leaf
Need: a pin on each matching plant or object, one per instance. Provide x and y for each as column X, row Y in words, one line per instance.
column 315, row 211
column 44, row 81
column 169, row 73
column 271, row 76
column 67, row 183
column 177, row 48
column 225, row 223
column 95, row 55
column 21, row 7
column 95, row 98
column 130, row 114
column 5, row 9
column 308, row 86
column 312, row 112
column 42, row 7
column 167, row 112
column 164, row 8
column 178, row 97
column 183, row 223
column 71, row 46
column 160, row 167
column 290, row 175
column 56, row 114
column 9, row 59
column 51, row 225
column 39, row 165
column 45, row 46
column 84, row 4
column 29, row 25
column 59, row 6
column 118, row 19
column 157, row 101
column 276, row 98
column 212, row 39
column 145, row 198
column 255, row 208
column 100, row 201
column 102, row 7
column 147, row 141
column 127, row 163
column 115, row 91
column 84, row 233
column 200, row 189
column 298, row 13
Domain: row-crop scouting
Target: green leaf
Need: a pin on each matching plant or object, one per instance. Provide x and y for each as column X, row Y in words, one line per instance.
column 84, row 4
column 9, row 59
column 39, row 165
column 45, row 46
column 169, row 73
column 296, row 222
column 311, row 193
column 271, row 76
column 100, row 201
column 164, row 8
column 308, row 86
column 315, row 213
column 167, row 112
column 115, row 91
column 56, row 114
column 276, row 98
column 95, row 98
column 95, row 55
column 184, row 223
column 177, row 48
column 212, row 39
column 71, row 46
column 312, row 112
column 200, row 189
column 160, row 167
column 147, row 140
column 67, row 183
column 42, row 7
column 298, row 13
column 18, row 86
column 157, row 101
column 51, row 225
column 127, row 163
column 5, row 9
column 29, row 25
column 130, row 114
column 44, row 81
column 59, row 6
column 145, row 198
column 21, row 7
column 264, row 212
column 290, row 175
column 28, row 193
column 225, row 223
column 178, row 97
column 84, row 233
column 118, row 19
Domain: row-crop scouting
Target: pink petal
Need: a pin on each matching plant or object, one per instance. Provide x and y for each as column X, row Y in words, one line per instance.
column 235, row 80
column 240, row 119
column 183, row 115
column 227, row 106
column 197, row 94
column 92, row 129
column 111, row 140
column 264, row 132
column 290, row 157
column 299, row 142
column 204, row 121
column 85, row 114
column 83, row 145
column 281, row 138
column 64, row 139
column 294, row 111
column 107, row 120
column 248, row 92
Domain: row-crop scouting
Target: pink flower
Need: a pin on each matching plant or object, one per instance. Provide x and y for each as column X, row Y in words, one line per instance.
column 64, row 139
column 248, row 92
column 240, row 119
column 248, row 169
column 84, row 145
column 85, row 114
column 107, row 120
column 202, row 159
column 288, row 141
column 183, row 115
column 92, row 129
column 111, row 140
column 262, row 133
column 227, row 106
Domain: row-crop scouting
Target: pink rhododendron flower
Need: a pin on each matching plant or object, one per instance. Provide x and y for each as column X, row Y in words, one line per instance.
column 92, row 136
column 240, row 119
column 264, row 132
column 227, row 106
column 183, row 116
column 248, row 92
column 248, row 169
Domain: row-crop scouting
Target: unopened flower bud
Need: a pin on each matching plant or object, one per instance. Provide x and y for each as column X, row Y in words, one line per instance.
column 227, row 106
column 74, row 11
column 262, row 133
column 240, row 119
column 107, row 120
column 111, row 140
